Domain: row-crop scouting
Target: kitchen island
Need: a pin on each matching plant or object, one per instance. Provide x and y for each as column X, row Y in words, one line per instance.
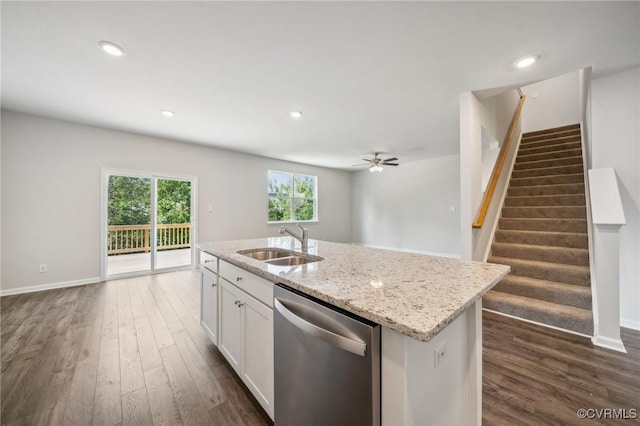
column 429, row 309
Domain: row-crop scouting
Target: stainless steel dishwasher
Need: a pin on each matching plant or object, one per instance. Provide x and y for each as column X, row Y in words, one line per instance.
column 327, row 363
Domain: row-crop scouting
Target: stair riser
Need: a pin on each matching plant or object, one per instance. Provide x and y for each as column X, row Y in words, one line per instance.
column 557, row 239
column 547, row 180
column 558, row 225
column 551, row 155
column 548, row 171
column 567, row 133
column 566, row 256
column 546, row 200
column 549, row 272
column 523, row 191
column 566, row 128
column 569, row 298
column 545, row 149
column 545, row 212
column 569, row 161
column 526, row 144
column 576, row 325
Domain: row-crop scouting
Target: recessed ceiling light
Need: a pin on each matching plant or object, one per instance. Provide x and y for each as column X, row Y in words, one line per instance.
column 111, row 48
column 167, row 113
column 296, row 114
column 526, row 61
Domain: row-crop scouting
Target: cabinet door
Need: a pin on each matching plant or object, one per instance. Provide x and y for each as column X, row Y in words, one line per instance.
column 209, row 306
column 230, row 323
column 257, row 370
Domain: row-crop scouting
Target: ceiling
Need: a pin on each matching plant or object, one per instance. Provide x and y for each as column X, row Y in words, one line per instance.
column 369, row 76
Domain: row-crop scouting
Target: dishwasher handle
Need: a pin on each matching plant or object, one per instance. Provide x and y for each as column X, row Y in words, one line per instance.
column 337, row 340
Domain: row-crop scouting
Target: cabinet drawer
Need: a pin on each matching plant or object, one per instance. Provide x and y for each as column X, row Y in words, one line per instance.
column 257, row 287
column 209, row 261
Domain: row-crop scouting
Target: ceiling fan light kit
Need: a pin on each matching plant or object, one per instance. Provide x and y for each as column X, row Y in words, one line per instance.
column 375, row 164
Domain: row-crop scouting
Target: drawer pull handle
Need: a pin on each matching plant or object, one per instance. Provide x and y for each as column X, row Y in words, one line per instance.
column 213, row 285
column 240, row 304
column 238, row 279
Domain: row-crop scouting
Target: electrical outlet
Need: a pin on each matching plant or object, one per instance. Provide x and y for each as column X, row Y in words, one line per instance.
column 43, row 268
column 439, row 353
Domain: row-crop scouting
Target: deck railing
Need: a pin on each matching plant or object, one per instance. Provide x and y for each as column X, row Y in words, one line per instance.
column 136, row 238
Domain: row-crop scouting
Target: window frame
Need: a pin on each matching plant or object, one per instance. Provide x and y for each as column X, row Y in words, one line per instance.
column 293, row 197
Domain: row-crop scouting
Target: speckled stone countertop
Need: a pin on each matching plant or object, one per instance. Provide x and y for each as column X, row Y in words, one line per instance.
column 414, row 294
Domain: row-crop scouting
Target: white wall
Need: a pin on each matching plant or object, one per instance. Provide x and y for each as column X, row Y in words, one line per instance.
column 556, row 103
column 408, row 207
column 615, row 110
column 51, row 194
column 475, row 114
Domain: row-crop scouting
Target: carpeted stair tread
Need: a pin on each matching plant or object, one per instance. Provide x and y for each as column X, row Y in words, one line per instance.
column 548, row 155
column 570, row 274
column 562, row 146
column 543, row 224
column 564, row 189
column 555, row 212
column 551, row 141
column 548, row 171
column 554, row 162
column 543, row 238
column 547, row 180
column 567, row 127
column 556, row 315
column 566, row 294
column 546, row 200
column 551, row 254
column 551, row 135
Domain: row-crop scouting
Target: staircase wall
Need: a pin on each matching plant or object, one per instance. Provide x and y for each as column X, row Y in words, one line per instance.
column 551, row 103
column 615, row 110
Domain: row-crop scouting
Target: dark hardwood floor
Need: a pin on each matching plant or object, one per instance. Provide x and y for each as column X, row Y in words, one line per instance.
column 534, row 375
column 132, row 352
column 119, row 353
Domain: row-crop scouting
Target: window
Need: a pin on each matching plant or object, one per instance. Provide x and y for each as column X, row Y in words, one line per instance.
column 292, row 197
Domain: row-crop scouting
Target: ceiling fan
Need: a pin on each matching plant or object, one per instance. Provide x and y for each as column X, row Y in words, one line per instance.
column 375, row 164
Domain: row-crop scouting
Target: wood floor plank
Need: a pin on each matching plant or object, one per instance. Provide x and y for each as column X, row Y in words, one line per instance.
column 80, row 403
column 135, row 408
column 164, row 409
column 125, row 316
column 148, row 349
column 210, row 390
column 110, row 320
column 131, row 374
column 160, row 330
column 191, row 405
column 137, row 307
column 107, row 406
column 225, row 414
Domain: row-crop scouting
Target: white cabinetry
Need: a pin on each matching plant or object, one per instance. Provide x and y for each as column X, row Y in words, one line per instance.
column 246, row 330
column 209, row 296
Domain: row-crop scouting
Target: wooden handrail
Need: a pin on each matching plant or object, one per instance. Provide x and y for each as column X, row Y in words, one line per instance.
column 497, row 169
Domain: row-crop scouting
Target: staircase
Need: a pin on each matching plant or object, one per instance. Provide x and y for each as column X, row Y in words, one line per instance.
column 542, row 235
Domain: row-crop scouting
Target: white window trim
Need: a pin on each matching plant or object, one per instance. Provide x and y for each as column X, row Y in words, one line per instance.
column 293, row 197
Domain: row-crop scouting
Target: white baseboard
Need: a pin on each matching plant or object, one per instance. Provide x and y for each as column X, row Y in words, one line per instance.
column 428, row 253
column 609, row 343
column 627, row 323
column 42, row 287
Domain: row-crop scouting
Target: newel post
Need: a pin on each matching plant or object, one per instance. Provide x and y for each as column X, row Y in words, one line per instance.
column 608, row 217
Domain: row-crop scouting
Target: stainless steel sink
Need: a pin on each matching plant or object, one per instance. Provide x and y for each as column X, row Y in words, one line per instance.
column 280, row 257
column 292, row 261
column 266, row 253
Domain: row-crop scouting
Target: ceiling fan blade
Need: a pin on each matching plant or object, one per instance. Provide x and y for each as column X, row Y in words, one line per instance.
column 391, row 164
column 390, row 159
column 367, row 160
column 357, row 165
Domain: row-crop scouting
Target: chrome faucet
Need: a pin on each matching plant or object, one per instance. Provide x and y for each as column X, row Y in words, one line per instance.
column 304, row 238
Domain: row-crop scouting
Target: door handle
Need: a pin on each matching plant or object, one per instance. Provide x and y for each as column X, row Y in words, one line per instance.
column 334, row 339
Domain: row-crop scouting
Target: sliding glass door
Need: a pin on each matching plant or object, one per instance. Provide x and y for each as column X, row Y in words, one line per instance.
column 148, row 222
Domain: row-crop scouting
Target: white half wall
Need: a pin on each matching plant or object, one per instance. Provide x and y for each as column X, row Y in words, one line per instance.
column 615, row 142
column 409, row 207
column 51, row 173
column 551, row 103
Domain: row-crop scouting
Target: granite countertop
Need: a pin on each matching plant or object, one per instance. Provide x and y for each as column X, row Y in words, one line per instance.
column 414, row 294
